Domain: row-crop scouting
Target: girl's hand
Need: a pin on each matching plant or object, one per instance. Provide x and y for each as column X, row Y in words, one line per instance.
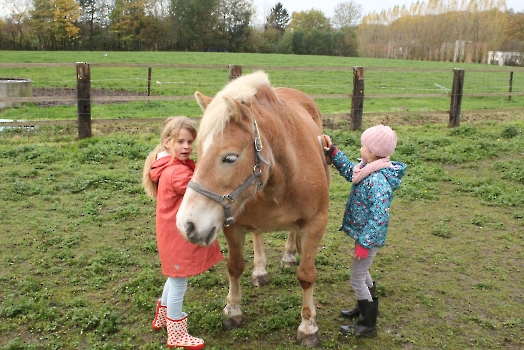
column 360, row 252
column 328, row 142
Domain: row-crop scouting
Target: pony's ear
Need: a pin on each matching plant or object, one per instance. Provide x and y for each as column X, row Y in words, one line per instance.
column 233, row 108
column 202, row 100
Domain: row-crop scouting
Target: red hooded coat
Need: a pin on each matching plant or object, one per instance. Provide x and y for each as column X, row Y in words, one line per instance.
column 178, row 257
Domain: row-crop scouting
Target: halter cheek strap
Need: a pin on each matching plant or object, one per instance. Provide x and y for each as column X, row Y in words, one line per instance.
column 227, row 199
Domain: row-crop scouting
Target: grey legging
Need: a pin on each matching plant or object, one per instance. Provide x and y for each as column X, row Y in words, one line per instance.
column 360, row 279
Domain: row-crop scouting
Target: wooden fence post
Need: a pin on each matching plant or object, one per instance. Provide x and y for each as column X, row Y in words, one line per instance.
column 83, row 85
column 456, row 97
column 234, row 72
column 148, row 81
column 357, row 99
column 510, row 85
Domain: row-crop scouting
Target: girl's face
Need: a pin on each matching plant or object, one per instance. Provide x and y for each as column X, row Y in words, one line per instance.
column 181, row 146
column 367, row 156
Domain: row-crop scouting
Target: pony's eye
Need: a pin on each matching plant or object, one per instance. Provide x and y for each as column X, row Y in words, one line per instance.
column 230, row 158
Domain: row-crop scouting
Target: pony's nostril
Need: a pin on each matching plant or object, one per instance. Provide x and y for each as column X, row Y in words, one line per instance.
column 190, row 227
column 210, row 236
column 191, row 233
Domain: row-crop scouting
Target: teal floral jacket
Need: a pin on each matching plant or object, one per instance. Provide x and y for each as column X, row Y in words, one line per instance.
column 366, row 217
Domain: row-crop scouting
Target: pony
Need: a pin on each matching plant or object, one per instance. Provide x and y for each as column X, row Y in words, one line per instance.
column 261, row 168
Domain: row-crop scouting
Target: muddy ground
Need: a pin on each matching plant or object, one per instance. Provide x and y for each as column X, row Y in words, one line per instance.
column 53, row 92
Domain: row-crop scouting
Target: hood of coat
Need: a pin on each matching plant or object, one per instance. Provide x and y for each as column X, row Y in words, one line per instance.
column 394, row 174
column 159, row 165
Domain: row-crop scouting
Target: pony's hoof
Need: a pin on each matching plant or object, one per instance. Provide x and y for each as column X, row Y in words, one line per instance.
column 261, row 280
column 288, row 260
column 232, row 323
column 289, row 264
column 308, row 340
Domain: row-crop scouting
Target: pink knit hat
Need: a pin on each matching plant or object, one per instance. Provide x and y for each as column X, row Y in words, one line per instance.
column 379, row 140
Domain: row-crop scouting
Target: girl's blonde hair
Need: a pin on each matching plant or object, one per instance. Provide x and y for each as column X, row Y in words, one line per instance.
column 172, row 127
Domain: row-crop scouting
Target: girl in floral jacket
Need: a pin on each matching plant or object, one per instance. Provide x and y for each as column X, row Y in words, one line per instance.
column 366, row 216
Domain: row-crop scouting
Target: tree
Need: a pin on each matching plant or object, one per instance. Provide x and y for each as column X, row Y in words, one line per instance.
column 16, row 31
column 515, row 27
column 233, row 23
column 345, row 43
column 309, row 20
column 14, row 7
column 129, row 19
column 195, row 24
column 299, row 42
column 347, row 14
column 436, row 29
column 94, row 22
column 319, row 42
column 514, row 33
column 53, row 22
column 278, row 19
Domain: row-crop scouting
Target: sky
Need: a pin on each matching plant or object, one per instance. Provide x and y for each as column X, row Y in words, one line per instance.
column 327, row 6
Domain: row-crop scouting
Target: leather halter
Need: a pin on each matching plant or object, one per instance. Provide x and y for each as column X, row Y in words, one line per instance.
column 227, row 199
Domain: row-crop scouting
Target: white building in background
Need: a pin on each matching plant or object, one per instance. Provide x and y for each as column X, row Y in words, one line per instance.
column 502, row 58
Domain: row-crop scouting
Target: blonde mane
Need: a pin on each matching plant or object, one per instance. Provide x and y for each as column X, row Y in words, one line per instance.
column 241, row 89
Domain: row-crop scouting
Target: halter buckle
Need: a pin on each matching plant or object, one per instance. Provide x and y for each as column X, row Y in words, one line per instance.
column 258, row 144
column 229, row 221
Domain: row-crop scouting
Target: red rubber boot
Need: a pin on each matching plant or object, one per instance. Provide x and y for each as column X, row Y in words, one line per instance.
column 177, row 335
column 160, row 317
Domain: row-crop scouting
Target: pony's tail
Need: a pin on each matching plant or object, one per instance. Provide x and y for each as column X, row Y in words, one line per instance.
column 150, row 187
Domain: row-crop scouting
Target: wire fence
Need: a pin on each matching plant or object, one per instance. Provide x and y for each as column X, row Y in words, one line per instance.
column 145, row 91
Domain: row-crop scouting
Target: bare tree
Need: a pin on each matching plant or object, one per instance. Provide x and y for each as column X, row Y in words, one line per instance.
column 347, row 14
column 15, row 7
column 15, row 31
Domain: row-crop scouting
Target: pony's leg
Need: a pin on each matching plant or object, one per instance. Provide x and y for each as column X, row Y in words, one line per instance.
column 307, row 333
column 259, row 277
column 235, row 268
column 289, row 259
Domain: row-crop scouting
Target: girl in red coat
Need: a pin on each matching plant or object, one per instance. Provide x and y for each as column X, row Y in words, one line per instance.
column 167, row 172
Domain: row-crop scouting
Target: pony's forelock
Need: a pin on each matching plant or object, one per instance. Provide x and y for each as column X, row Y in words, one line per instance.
column 242, row 90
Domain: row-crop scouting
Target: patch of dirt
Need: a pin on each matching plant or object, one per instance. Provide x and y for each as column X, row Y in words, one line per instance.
column 54, row 92
column 154, row 128
column 343, row 121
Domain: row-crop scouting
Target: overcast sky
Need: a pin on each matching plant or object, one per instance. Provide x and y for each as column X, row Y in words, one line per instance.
column 327, row 6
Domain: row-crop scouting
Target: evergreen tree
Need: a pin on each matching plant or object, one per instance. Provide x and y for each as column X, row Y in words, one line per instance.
column 278, row 19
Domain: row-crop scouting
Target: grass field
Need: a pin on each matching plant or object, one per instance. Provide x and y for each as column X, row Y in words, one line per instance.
column 418, row 88
column 80, row 267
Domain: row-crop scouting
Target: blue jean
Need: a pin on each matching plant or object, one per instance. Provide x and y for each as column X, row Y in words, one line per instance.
column 360, row 278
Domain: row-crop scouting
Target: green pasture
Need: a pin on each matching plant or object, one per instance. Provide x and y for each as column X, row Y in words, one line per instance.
column 417, row 87
column 80, row 267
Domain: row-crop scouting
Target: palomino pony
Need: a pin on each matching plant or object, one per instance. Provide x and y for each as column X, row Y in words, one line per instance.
column 260, row 169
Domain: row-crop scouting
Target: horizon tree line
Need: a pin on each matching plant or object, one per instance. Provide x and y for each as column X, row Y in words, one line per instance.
column 426, row 30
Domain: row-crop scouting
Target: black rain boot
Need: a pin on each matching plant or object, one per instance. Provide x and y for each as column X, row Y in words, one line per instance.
column 366, row 325
column 355, row 312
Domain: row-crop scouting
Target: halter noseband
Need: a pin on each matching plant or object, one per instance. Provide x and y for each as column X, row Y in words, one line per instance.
column 227, row 199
